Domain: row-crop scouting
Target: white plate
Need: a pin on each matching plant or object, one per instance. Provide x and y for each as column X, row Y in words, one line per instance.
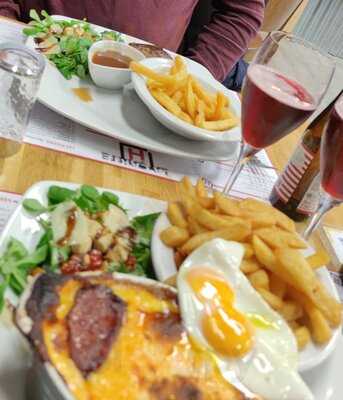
column 14, row 355
column 122, row 115
column 175, row 124
column 325, row 381
column 164, row 265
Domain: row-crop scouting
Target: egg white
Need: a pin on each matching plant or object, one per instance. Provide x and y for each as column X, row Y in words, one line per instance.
column 270, row 369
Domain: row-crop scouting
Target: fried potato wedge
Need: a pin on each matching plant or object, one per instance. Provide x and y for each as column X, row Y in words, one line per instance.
column 226, row 234
column 174, row 236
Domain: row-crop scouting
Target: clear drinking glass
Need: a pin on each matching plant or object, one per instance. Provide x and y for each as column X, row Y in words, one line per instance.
column 20, row 73
column 331, row 166
column 284, row 85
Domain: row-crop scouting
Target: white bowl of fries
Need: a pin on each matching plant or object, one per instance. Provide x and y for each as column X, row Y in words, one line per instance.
column 194, row 107
column 276, row 261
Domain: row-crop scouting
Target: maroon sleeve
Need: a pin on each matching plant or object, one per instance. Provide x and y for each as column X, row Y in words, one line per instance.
column 224, row 40
column 10, row 9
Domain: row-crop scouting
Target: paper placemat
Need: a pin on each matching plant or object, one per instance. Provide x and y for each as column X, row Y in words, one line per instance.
column 8, row 203
column 50, row 130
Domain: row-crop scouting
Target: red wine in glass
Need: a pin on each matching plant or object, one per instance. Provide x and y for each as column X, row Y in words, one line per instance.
column 272, row 106
column 332, row 153
column 284, row 85
column 331, row 166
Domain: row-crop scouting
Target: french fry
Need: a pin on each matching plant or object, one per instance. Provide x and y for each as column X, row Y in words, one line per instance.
column 174, row 236
column 177, row 96
column 190, row 99
column 201, row 93
column 206, row 202
column 200, row 188
column 294, row 325
column 214, row 222
column 259, row 279
column 277, row 285
column 300, row 276
column 198, row 240
column 171, row 281
column 194, row 227
column 226, row 205
column 151, row 74
column 167, row 102
column 187, row 186
column 250, row 266
column 209, row 110
column 278, row 238
column 200, row 116
column 254, row 205
column 320, row 329
column 264, row 254
column 176, row 216
column 178, row 65
column 178, row 258
column 291, row 310
column 221, row 125
column 259, row 220
column 190, row 205
column 176, row 86
column 182, row 105
column 283, row 221
column 220, row 105
column 226, row 113
column 249, row 251
column 275, row 302
column 154, row 85
column 185, row 117
column 319, row 259
column 303, row 337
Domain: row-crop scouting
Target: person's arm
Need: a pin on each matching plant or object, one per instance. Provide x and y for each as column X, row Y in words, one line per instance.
column 10, row 9
column 224, row 40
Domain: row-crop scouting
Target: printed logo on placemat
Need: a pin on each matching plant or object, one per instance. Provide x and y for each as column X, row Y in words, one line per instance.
column 136, row 154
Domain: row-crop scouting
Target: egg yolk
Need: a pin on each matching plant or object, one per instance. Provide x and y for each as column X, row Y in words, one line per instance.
column 226, row 329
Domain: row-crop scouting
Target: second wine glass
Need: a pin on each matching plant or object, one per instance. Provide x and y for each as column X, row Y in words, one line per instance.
column 331, row 166
column 283, row 87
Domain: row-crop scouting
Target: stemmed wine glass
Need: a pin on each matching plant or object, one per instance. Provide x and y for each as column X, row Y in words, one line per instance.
column 283, row 87
column 331, row 166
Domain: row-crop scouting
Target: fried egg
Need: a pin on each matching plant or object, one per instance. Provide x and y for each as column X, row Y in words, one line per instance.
column 252, row 345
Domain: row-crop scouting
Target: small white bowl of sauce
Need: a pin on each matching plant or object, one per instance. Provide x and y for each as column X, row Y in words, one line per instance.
column 109, row 63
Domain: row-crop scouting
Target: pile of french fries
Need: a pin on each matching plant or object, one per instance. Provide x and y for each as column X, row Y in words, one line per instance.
column 272, row 262
column 182, row 95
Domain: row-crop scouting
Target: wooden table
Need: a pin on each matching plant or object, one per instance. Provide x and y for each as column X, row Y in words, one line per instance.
column 32, row 164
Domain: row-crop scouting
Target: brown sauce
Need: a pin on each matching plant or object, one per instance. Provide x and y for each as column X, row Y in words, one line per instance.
column 70, row 226
column 83, row 94
column 111, row 58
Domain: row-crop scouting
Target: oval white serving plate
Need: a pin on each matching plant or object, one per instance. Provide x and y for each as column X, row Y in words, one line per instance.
column 120, row 114
column 164, row 265
column 174, row 123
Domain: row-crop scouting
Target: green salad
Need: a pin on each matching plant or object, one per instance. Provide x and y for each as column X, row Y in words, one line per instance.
column 66, row 42
column 83, row 230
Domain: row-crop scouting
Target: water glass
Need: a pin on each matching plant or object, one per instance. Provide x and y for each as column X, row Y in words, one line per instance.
column 21, row 70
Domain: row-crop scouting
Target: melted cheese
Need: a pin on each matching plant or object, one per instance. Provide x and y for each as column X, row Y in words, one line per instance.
column 54, row 337
column 139, row 357
column 67, row 298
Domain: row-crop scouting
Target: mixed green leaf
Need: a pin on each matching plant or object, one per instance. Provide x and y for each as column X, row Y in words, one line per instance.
column 16, row 264
column 66, row 42
column 87, row 198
